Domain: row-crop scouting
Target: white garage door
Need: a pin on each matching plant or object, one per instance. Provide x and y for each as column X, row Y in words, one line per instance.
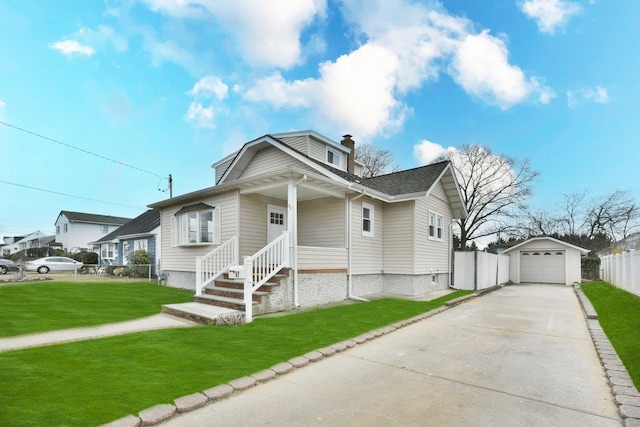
column 542, row 266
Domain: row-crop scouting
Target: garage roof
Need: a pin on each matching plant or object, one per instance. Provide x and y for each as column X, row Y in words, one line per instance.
column 533, row 239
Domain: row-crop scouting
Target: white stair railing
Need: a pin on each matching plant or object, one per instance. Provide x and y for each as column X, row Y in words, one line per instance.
column 212, row 265
column 262, row 266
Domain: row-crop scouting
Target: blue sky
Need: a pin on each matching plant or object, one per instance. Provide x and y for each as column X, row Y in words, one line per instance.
column 171, row 86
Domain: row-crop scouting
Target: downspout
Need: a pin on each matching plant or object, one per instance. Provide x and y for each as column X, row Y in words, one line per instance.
column 296, row 301
column 349, row 275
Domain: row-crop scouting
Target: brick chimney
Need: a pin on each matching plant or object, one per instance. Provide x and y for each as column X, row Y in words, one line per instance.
column 351, row 157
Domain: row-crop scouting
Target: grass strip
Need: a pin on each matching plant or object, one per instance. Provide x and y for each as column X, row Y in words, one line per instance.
column 98, row 381
column 619, row 315
column 50, row 306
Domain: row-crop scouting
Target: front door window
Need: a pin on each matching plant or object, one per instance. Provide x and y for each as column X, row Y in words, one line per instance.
column 276, row 221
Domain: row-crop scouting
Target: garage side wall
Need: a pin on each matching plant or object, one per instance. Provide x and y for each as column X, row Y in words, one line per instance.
column 574, row 267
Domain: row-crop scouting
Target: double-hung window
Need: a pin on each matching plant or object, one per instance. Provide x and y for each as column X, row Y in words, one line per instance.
column 367, row 219
column 195, row 224
column 334, row 157
column 436, row 224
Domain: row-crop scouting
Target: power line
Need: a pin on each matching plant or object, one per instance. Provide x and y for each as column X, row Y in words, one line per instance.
column 68, row 195
column 80, row 149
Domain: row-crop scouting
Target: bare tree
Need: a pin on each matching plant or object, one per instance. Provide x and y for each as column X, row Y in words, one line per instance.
column 493, row 187
column 615, row 215
column 572, row 213
column 535, row 222
column 377, row 161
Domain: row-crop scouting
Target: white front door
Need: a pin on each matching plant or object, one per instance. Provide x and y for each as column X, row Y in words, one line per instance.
column 276, row 221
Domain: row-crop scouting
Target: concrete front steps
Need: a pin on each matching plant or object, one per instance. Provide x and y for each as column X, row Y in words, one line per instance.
column 223, row 301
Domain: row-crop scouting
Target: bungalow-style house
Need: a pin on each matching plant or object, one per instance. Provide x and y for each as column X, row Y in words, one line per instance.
column 141, row 233
column 295, row 203
column 75, row 230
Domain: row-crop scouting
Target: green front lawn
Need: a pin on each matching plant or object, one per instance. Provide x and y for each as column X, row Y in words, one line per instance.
column 94, row 382
column 49, row 306
column 619, row 315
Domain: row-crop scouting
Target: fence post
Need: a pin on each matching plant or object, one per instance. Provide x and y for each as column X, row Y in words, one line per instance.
column 475, row 270
column 198, row 276
column 248, row 288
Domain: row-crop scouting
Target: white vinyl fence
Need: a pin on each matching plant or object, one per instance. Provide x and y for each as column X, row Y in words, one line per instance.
column 622, row 270
column 479, row 270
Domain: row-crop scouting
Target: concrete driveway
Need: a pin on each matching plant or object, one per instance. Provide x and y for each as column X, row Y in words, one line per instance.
column 520, row 356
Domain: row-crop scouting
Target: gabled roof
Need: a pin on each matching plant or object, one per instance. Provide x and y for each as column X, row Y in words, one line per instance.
column 533, row 239
column 394, row 187
column 93, row 218
column 144, row 223
column 407, row 181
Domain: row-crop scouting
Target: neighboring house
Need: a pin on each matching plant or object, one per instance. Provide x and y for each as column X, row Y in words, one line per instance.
column 36, row 239
column 141, row 233
column 631, row 242
column 75, row 230
column 545, row 260
column 346, row 236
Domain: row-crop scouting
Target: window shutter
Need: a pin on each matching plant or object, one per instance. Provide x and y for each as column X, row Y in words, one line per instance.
column 174, row 231
column 216, row 226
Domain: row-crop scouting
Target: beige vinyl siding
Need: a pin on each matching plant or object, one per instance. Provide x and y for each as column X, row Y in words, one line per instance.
column 357, row 170
column 432, row 255
column 367, row 252
column 300, row 143
column 222, row 168
column 313, row 258
column 321, row 223
column 269, row 160
column 317, row 150
column 183, row 258
column 253, row 222
column 399, row 238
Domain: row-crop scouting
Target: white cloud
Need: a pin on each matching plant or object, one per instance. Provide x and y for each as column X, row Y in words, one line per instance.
column 549, row 14
column 210, row 86
column 355, row 93
column 598, row 94
column 71, row 48
column 427, row 152
column 2, row 104
column 481, row 66
column 207, row 88
column 402, row 46
column 267, row 32
column 200, row 116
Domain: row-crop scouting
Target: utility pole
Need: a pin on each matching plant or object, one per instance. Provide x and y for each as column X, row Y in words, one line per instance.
column 170, row 186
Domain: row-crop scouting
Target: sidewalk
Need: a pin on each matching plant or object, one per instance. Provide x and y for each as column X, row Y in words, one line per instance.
column 158, row 321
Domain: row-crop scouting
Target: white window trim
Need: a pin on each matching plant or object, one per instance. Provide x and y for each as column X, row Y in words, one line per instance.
column 176, row 236
column 337, row 157
column 436, row 216
column 110, row 250
column 371, row 231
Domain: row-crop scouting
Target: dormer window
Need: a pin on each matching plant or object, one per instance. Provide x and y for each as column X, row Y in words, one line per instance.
column 334, row 157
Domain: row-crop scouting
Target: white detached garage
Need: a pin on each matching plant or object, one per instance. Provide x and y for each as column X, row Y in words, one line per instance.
column 545, row 260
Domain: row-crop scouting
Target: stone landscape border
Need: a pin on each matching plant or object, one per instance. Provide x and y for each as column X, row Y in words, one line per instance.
column 625, row 393
column 162, row 412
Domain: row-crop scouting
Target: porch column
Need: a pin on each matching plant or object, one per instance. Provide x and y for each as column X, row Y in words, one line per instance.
column 292, row 228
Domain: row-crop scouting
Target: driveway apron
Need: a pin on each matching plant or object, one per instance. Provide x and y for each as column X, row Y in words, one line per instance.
column 520, row 356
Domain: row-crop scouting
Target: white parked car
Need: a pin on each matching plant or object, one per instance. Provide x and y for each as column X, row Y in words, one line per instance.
column 53, row 263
